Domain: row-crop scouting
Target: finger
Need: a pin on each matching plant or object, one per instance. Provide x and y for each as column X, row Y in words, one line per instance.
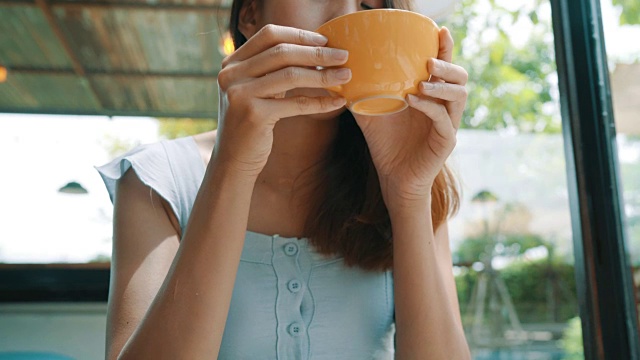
column 286, row 55
column 436, row 112
column 444, row 91
column 301, row 105
column 447, row 72
column 456, row 109
column 271, row 35
column 445, row 52
column 454, row 96
column 435, row 79
column 296, row 77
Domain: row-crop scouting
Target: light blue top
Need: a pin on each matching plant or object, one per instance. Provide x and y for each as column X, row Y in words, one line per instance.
column 289, row 302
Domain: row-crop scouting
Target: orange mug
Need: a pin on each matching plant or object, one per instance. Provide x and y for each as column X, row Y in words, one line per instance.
column 388, row 53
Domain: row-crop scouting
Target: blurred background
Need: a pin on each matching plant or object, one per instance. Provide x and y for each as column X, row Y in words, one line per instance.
column 82, row 82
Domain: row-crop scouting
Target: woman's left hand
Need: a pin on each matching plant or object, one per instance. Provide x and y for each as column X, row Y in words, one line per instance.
column 410, row 148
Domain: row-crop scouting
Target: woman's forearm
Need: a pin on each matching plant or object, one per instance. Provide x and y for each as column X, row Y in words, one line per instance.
column 187, row 317
column 427, row 312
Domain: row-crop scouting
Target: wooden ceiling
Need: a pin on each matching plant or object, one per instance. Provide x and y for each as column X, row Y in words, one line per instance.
column 155, row 58
column 118, row 58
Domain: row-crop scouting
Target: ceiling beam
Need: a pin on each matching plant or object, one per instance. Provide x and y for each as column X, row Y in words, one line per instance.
column 121, row 5
column 77, row 66
column 114, row 73
column 194, row 114
column 127, row 5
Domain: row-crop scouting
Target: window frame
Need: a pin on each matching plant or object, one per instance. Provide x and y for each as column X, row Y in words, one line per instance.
column 54, row 282
column 603, row 273
column 603, row 276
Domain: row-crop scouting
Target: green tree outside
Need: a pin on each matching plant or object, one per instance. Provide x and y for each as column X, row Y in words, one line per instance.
column 630, row 11
column 172, row 128
column 511, row 85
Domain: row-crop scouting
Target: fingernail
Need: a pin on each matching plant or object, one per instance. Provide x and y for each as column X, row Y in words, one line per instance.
column 339, row 54
column 436, row 64
column 427, row 86
column 338, row 101
column 319, row 39
column 412, row 97
column 343, row 74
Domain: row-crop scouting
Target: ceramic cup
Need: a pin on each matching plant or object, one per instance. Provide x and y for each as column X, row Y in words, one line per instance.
column 388, row 53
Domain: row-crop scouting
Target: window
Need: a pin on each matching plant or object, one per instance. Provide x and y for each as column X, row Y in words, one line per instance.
column 51, row 220
column 512, row 240
column 621, row 22
column 539, row 244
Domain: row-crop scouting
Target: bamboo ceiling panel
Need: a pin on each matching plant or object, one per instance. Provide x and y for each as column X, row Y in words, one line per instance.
column 198, row 98
column 58, row 94
column 142, row 40
column 26, row 40
column 135, row 58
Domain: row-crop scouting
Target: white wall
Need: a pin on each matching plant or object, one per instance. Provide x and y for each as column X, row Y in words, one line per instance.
column 73, row 329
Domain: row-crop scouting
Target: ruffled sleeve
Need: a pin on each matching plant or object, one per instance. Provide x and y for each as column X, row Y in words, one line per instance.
column 151, row 164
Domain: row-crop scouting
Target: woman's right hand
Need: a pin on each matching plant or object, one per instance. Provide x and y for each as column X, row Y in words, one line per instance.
column 252, row 84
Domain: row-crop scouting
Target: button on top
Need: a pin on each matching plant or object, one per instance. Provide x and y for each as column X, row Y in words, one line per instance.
column 295, row 329
column 291, row 249
column 294, row 285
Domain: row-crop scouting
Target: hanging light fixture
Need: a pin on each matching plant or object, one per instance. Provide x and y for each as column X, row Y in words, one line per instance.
column 225, row 45
column 483, row 197
column 3, row 74
column 73, row 188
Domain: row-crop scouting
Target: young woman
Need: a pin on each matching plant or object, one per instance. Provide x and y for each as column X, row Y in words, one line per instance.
column 297, row 230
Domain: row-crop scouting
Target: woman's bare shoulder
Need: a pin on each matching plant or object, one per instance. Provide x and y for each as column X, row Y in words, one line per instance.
column 206, row 142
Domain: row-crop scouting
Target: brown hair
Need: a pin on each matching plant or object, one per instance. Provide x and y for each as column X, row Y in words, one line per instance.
column 349, row 216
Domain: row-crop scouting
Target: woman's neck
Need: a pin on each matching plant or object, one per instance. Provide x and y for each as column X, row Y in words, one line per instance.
column 286, row 188
column 299, row 146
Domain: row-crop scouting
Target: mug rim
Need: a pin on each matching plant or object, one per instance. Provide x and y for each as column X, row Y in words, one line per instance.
column 363, row 13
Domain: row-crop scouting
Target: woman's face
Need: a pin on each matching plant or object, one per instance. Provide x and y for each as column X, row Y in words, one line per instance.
column 309, row 14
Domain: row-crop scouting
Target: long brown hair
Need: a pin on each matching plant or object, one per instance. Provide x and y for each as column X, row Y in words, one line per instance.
column 349, row 216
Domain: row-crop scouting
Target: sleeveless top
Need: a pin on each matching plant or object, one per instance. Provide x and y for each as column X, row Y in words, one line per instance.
column 289, row 302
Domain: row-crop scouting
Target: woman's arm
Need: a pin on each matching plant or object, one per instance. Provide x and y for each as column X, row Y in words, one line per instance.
column 428, row 324
column 186, row 318
column 188, row 313
column 140, row 259
column 409, row 149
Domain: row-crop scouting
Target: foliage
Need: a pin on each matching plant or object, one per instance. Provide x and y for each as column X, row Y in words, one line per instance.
column 472, row 249
column 101, row 258
column 543, row 282
column 172, row 128
column 503, row 230
column 540, row 290
column 484, row 196
column 510, row 86
column 116, row 146
column 630, row 11
column 511, row 82
column 465, row 283
column 571, row 340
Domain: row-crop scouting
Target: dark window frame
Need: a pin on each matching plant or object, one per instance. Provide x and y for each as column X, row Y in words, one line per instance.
column 54, row 282
column 603, row 276
column 603, row 273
